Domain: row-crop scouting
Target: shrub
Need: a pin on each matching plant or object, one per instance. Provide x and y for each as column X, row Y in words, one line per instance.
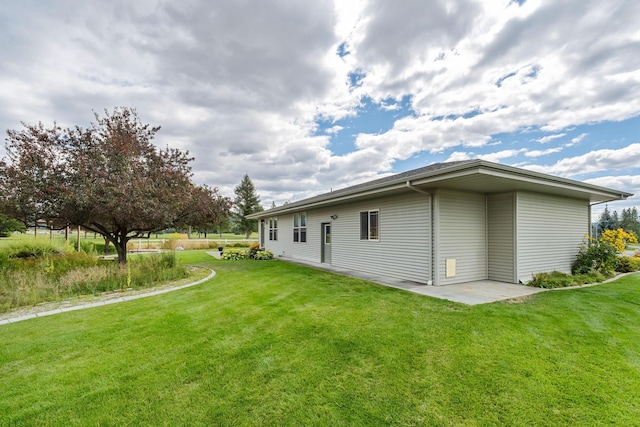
column 85, row 246
column 253, row 249
column 237, row 245
column 558, row 279
column 595, row 257
column 618, row 238
column 263, row 255
column 628, row 264
column 33, row 250
column 233, row 255
column 555, row 279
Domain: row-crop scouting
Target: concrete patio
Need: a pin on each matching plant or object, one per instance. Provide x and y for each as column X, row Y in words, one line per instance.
column 471, row 293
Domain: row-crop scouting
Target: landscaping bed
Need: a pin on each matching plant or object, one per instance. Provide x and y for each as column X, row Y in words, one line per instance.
column 33, row 274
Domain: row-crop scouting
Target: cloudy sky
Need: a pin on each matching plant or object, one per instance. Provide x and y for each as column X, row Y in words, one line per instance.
column 305, row 96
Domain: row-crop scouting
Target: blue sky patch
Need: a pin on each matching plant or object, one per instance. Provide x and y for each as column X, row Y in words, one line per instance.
column 343, row 50
column 550, row 147
column 371, row 117
column 355, row 78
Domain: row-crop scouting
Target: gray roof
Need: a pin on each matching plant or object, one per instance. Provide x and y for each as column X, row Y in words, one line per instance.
column 466, row 175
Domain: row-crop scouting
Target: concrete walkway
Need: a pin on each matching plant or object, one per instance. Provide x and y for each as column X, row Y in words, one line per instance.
column 471, row 293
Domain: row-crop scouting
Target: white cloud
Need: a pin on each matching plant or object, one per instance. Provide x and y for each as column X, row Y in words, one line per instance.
column 577, row 139
column 548, row 138
column 241, row 86
column 500, row 155
column 459, row 155
column 539, row 153
column 334, row 129
column 594, row 161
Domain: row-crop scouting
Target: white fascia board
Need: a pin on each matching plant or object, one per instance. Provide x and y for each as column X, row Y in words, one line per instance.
column 430, row 178
column 328, row 201
column 562, row 183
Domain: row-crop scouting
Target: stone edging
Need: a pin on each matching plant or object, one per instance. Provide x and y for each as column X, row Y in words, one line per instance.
column 105, row 302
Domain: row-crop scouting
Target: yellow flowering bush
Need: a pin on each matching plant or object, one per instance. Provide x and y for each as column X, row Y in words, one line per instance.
column 618, row 238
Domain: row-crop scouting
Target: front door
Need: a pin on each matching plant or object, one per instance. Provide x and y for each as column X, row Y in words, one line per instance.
column 326, row 243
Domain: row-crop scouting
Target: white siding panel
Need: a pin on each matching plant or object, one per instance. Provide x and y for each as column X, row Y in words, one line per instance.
column 462, row 236
column 312, row 249
column 404, row 247
column 550, row 232
column 306, row 251
column 278, row 247
column 500, row 236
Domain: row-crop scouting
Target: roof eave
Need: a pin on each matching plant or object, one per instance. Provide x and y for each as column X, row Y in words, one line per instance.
column 433, row 177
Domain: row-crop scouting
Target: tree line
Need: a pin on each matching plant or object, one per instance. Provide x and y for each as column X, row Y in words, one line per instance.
column 110, row 179
column 628, row 221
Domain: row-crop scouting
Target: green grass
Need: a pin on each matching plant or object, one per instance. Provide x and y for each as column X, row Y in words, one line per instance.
column 270, row 343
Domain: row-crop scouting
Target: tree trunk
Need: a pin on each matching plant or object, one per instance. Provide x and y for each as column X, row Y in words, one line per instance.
column 121, row 248
column 106, row 246
column 248, row 234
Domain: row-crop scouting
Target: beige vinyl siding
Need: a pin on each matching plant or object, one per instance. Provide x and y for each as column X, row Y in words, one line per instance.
column 285, row 222
column 311, row 250
column 462, row 236
column 404, row 247
column 550, row 232
column 306, row 251
column 500, row 237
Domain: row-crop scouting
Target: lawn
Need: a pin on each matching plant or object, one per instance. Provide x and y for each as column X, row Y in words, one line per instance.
column 271, row 343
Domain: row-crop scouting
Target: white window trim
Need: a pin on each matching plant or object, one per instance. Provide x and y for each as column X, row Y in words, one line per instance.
column 299, row 228
column 273, row 229
column 369, row 212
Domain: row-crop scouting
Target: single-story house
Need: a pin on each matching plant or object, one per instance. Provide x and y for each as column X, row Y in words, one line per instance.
column 442, row 224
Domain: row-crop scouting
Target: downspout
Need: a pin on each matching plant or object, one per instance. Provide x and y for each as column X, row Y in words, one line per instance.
column 417, row 190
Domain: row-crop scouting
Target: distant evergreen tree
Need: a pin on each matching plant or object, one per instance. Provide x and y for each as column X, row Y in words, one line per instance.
column 615, row 221
column 246, row 203
column 606, row 221
column 629, row 220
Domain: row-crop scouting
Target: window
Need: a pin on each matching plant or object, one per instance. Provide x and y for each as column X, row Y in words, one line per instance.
column 369, row 225
column 300, row 227
column 273, row 228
